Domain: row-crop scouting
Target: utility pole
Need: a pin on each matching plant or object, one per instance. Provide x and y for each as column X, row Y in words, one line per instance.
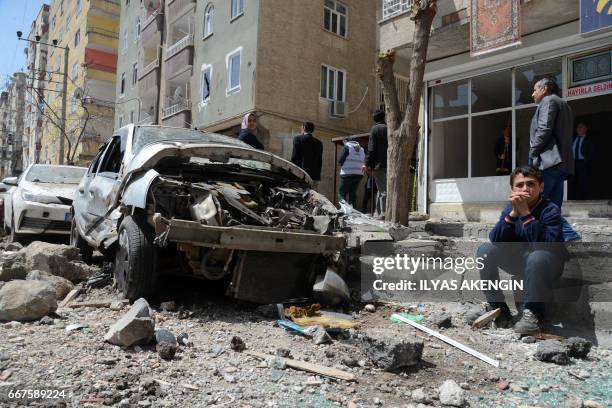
column 64, row 95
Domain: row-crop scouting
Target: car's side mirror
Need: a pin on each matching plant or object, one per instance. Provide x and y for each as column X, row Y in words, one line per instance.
column 10, row 181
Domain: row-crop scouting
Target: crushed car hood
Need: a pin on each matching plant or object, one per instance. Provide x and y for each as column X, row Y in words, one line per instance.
column 150, row 155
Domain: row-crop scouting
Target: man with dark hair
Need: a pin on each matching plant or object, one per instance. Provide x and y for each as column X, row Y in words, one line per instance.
column 583, row 156
column 532, row 224
column 308, row 152
column 376, row 160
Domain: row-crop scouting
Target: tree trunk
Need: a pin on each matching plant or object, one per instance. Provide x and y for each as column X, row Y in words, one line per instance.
column 403, row 137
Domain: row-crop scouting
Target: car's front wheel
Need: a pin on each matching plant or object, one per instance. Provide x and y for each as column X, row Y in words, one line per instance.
column 77, row 241
column 136, row 264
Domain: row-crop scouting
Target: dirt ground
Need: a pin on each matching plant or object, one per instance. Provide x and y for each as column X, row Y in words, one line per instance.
column 208, row 373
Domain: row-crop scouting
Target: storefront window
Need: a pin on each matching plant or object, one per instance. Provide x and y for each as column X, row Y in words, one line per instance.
column 450, row 99
column 492, row 144
column 492, row 91
column 450, row 149
column 523, row 122
column 528, row 75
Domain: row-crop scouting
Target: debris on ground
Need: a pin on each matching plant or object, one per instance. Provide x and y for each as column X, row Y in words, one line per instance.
column 552, row 351
column 309, row 311
column 26, row 300
column 237, row 344
column 306, row 366
column 137, row 326
column 166, row 344
column 391, row 350
column 331, row 289
column 451, row 394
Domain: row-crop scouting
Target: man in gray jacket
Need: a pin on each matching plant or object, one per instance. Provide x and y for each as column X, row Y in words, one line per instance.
column 550, row 139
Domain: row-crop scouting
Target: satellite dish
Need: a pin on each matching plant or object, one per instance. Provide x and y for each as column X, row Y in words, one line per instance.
column 78, row 93
column 178, row 93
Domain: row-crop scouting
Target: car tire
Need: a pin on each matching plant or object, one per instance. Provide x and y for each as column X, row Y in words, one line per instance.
column 13, row 236
column 78, row 242
column 136, row 265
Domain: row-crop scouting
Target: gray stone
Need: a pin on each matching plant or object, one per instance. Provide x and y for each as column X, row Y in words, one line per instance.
column 331, row 289
column 57, row 259
column 13, row 267
column 528, row 339
column 26, row 300
column 443, row 321
column 46, row 320
column 117, row 305
column 419, row 396
column 166, row 344
column 61, row 285
column 451, row 394
column 390, row 351
column 573, row 402
column 370, row 308
column 320, row 336
column 577, row 347
column 137, row 326
column 552, row 351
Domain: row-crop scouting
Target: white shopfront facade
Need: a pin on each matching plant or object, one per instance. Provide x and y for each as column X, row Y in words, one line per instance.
column 469, row 101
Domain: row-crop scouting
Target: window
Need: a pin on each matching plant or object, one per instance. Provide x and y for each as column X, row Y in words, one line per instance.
column 208, row 20
column 205, row 83
column 333, row 83
column 335, row 17
column 122, row 86
column 79, row 6
column 233, row 71
column 134, row 74
column 237, row 8
column 77, row 38
column 137, row 29
column 75, row 70
column 125, row 40
column 73, row 104
column 111, row 161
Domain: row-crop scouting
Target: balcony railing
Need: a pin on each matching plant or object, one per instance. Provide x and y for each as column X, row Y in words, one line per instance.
column 186, row 41
column 392, row 8
column 150, row 19
column 142, row 72
column 185, row 104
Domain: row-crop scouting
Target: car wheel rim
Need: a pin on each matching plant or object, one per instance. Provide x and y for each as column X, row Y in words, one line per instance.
column 122, row 260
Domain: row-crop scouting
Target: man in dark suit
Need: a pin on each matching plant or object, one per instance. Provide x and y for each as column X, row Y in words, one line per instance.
column 308, row 152
column 550, row 140
column 583, row 155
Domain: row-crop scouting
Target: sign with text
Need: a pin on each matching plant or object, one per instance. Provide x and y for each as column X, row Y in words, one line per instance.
column 494, row 25
column 595, row 15
column 600, row 88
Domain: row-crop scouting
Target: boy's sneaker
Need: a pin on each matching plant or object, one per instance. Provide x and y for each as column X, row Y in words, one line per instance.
column 528, row 324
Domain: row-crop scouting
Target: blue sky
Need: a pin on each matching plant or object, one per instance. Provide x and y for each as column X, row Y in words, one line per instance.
column 15, row 15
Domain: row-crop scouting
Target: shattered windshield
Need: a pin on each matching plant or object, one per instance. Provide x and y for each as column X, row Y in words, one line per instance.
column 252, row 164
column 55, row 174
column 146, row 135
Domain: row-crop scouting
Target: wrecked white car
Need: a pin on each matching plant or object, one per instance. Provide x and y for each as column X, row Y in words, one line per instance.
column 40, row 201
column 155, row 198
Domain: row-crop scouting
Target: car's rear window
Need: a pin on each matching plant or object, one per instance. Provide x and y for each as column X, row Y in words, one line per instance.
column 146, row 135
column 55, row 174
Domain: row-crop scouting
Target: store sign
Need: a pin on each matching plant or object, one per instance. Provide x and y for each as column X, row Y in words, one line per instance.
column 595, row 15
column 591, row 68
column 600, row 88
column 494, row 25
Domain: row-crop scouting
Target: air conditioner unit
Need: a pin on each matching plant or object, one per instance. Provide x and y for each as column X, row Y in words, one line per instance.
column 337, row 109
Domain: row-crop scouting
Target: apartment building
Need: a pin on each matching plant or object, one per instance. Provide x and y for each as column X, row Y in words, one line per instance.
column 12, row 109
column 469, row 99
column 289, row 61
column 35, row 88
column 90, row 30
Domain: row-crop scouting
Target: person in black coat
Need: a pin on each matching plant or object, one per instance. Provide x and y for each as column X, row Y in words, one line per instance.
column 308, row 152
column 582, row 149
column 376, row 160
column 503, row 152
column 248, row 131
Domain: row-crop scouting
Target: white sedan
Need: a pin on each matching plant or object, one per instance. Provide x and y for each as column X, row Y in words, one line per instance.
column 41, row 200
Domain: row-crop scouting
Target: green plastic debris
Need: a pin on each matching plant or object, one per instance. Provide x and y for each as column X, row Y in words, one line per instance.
column 414, row 318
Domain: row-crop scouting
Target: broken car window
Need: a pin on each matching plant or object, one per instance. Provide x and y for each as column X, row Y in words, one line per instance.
column 146, row 135
column 55, row 174
column 112, row 158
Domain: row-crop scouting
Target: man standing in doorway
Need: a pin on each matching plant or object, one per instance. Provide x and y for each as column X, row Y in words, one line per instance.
column 376, row 160
column 581, row 148
column 550, row 139
column 308, row 153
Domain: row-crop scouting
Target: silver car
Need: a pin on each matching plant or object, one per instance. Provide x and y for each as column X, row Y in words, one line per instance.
column 204, row 205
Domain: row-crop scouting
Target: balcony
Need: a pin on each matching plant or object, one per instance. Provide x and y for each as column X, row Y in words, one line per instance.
column 112, row 7
column 151, row 28
column 177, row 47
column 177, row 8
column 147, row 69
column 178, row 107
column 392, row 8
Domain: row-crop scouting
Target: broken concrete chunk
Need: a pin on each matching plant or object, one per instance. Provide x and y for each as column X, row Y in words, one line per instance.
column 331, row 289
column 166, row 344
column 443, row 321
column 389, row 350
column 137, row 326
column 13, row 267
column 451, row 394
column 577, row 347
column 26, row 300
column 61, row 286
column 320, row 336
column 237, row 344
column 552, row 351
column 58, row 260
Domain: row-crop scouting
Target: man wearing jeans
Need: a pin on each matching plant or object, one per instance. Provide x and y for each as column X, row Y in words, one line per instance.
column 550, row 140
column 526, row 241
column 376, row 160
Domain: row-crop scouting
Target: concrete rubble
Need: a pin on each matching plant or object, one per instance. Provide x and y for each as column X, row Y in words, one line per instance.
column 26, row 300
column 136, row 327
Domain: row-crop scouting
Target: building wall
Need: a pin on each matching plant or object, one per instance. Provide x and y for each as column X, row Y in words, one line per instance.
column 228, row 36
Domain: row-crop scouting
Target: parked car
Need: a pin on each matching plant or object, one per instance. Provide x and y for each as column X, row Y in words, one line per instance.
column 40, row 201
column 213, row 205
column 3, row 192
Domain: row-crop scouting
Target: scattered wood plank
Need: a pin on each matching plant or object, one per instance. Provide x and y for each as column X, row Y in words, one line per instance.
column 6, row 374
column 69, row 297
column 326, row 321
column 100, row 304
column 310, row 367
column 190, row 386
column 450, row 341
column 547, row 336
column 486, row 318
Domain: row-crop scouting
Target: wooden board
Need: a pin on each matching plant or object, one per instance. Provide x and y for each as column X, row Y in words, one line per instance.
column 486, row 318
column 310, row 367
column 326, row 321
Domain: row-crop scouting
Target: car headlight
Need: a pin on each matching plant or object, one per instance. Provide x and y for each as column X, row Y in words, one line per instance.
column 39, row 198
